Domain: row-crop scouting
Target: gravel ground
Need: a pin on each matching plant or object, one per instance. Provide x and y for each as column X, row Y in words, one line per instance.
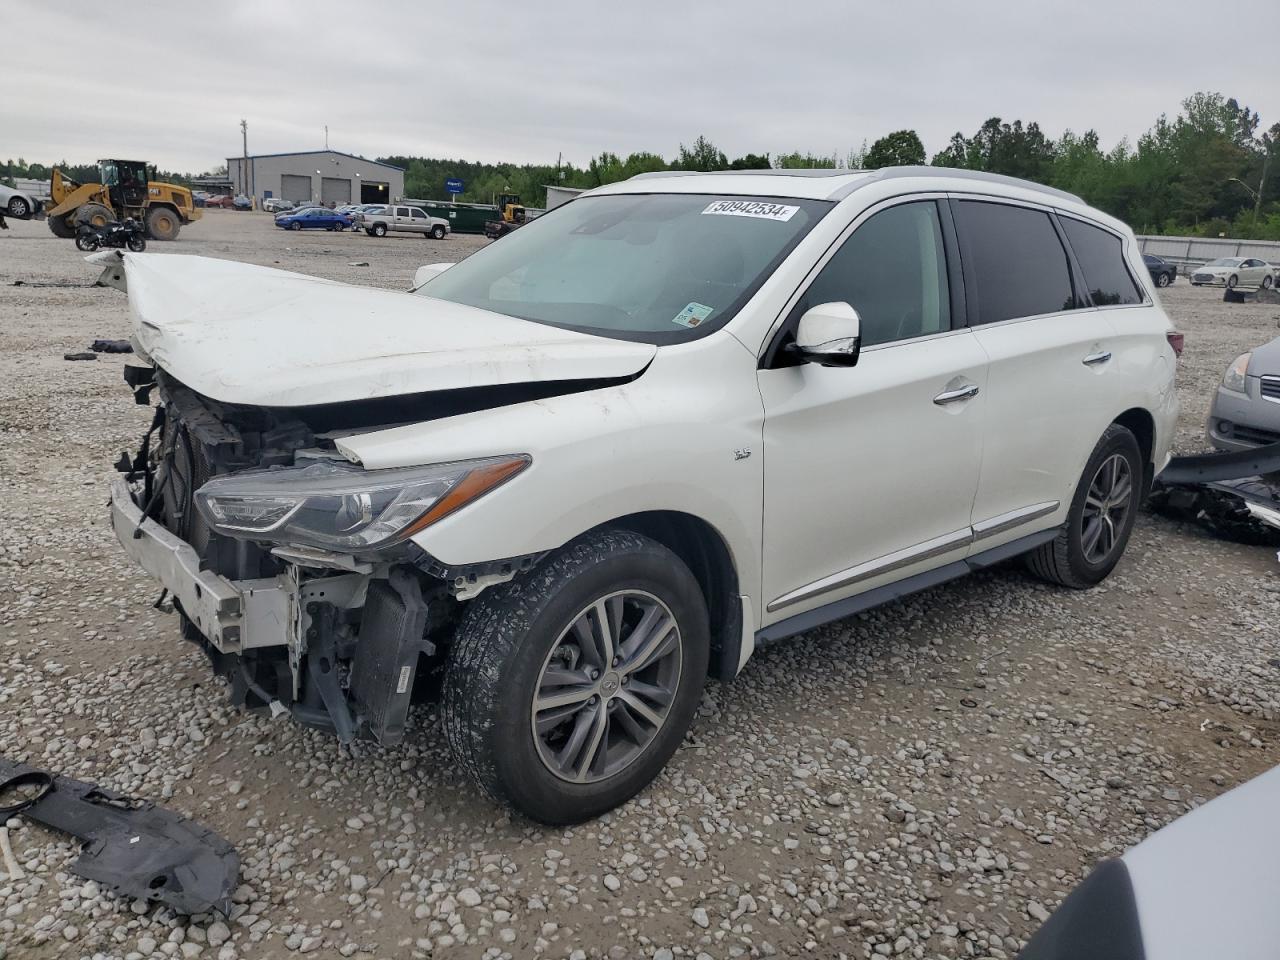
column 925, row 780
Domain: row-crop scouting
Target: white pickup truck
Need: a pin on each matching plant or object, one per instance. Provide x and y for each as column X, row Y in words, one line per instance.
column 404, row 219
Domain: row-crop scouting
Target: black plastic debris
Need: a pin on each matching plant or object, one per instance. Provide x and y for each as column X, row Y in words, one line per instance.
column 111, row 346
column 131, row 847
column 1234, row 495
column 84, row 355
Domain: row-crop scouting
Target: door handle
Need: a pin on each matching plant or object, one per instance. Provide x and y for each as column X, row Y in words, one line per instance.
column 956, row 395
column 1094, row 358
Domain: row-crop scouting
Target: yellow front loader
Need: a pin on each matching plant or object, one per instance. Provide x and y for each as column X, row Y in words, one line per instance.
column 124, row 190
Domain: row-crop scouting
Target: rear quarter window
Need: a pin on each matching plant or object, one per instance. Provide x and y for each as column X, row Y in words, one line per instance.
column 1100, row 254
column 1018, row 261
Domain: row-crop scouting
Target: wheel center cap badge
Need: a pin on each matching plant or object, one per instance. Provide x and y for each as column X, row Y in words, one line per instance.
column 609, row 685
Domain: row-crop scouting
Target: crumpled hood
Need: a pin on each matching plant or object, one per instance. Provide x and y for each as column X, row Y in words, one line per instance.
column 246, row 334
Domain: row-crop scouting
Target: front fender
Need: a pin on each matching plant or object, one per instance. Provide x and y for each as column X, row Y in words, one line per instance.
column 684, row 436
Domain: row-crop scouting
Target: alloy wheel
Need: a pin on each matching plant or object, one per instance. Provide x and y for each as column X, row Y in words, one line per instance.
column 607, row 686
column 1106, row 507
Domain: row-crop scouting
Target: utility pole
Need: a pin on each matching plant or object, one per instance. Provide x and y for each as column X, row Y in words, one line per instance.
column 1267, row 144
column 244, row 164
column 326, row 136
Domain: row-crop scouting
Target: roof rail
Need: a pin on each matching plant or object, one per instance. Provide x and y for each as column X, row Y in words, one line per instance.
column 866, row 177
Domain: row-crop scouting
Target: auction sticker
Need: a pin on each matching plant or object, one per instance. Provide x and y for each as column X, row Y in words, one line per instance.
column 751, row 208
column 692, row 315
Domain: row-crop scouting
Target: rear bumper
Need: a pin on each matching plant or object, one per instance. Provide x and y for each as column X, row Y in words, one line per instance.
column 232, row 615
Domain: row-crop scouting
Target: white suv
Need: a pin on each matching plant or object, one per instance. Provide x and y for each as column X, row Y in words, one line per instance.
column 578, row 473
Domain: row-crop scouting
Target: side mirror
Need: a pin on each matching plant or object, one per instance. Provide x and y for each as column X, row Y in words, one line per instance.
column 829, row 334
column 428, row 272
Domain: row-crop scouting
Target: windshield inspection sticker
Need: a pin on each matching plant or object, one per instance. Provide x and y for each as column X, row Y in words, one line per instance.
column 692, row 315
column 751, row 208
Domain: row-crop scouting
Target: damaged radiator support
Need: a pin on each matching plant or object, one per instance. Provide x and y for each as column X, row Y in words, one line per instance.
column 378, row 669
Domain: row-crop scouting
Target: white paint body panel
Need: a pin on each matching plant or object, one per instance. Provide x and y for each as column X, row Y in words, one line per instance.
column 1208, row 884
column 247, row 334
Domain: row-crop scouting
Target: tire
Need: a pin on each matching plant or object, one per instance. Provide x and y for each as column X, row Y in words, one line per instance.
column 1232, row 281
column 162, row 224
column 295, row 225
column 94, row 214
column 437, row 232
column 1163, row 280
column 61, row 229
column 378, row 230
column 18, row 207
column 136, row 244
column 87, row 242
column 512, row 636
column 1068, row 560
column 1266, row 283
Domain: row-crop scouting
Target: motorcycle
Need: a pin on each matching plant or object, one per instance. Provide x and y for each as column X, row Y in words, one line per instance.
column 112, row 235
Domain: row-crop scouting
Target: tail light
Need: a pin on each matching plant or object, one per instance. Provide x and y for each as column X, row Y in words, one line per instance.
column 1176, row 340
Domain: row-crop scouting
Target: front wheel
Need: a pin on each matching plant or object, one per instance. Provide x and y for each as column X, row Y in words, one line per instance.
column 136, row 244
column 1266, row 283
column 295, row 225
column 1164, row 280
column 437, row 233
column 18, row 207
column 569, row 688
column 1101, row 518
column 1232, row 281
column 379, row 230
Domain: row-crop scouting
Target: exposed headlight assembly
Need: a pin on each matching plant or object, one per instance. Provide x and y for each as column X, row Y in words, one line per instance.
column 1234, row 379
column 345, row 508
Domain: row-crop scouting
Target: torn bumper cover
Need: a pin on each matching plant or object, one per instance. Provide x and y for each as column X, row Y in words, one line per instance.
column 1235, row 495
column 134, row 848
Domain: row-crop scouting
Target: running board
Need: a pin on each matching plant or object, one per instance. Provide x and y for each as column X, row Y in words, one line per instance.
column 847, row 607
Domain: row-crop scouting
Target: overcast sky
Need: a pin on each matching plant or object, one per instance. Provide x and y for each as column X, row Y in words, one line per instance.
column 522, row 82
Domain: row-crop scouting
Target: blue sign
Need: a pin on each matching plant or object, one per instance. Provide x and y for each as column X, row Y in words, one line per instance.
column 453, row 185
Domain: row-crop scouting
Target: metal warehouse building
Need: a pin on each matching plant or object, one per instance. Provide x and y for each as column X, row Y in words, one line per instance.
column 325, row 176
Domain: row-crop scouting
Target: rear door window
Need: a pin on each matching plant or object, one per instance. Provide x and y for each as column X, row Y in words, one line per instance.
column 1100, row 254
column 1019, row 265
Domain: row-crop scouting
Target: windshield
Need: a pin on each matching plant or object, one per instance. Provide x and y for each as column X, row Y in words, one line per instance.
column 661, row 268
column 1225, row 262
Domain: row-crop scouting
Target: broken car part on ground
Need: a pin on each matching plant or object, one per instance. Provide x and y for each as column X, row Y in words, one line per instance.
column 1236, row 495
column 131, row 847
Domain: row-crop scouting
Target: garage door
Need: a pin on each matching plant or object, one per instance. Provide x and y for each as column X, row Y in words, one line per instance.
column 295, row 188
column 334, row 190
column 374, row 191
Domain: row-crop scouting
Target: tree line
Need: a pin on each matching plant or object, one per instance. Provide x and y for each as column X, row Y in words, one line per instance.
column 1209, row 170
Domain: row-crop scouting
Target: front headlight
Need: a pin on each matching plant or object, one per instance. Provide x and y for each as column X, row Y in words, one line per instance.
column 1234, row 379
column 345, row 508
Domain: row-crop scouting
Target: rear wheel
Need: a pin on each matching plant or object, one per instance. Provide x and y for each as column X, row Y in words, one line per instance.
column 1101, row 518
column 569, row 688
column 18, row 207
column 88, row 242
column 163, row 224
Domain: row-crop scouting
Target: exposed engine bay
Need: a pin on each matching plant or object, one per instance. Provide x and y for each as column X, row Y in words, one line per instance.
column 340, row 641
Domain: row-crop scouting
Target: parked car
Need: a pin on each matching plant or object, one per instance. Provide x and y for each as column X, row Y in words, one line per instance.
column 592, row 465
column 396, row 218
column 277, row 205
column 19, row 204
column 1162, row 271
column 219, row 200
column 313, row 218
column 242, row 203
column 200, row 197
column 1246, row 408
column 1233, row 271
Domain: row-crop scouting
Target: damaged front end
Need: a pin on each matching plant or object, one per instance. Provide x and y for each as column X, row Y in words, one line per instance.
column 291, row 567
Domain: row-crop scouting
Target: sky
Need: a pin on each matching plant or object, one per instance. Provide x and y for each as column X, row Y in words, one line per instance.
column 526, row 82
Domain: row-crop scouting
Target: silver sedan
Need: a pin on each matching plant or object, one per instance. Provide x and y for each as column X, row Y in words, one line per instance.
column 1246, row 409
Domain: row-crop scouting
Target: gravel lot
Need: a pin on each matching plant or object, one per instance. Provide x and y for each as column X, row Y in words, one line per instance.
column 925, row 780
